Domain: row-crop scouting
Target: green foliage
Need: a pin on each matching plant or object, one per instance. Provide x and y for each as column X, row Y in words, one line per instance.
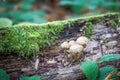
column 78, row 5
column 90, row 69
column 31, row 78
column 23, row 10
column 23, row 13
column 34, row 17
column 26, row 5
column 4, row 22
column 105, row 71
column 109, row 57
column 3, row 75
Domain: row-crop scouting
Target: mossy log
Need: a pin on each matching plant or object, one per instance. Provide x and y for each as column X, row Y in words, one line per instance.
column 26, row 39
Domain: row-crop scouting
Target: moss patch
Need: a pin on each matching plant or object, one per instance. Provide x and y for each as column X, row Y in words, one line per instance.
column 88, row 29
column 27, row 39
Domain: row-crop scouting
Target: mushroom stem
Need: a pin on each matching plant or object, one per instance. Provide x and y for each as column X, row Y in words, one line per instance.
column 70, row 57
column 77, row 56
column 36, row 63
column 65, row 53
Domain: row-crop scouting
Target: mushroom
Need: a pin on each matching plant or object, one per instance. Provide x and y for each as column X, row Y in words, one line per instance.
column 72, row 42
column 69, row 57
column 76, row 50
column 51, row 61
column 65, row 45
column 82, row 40
column 36, row 63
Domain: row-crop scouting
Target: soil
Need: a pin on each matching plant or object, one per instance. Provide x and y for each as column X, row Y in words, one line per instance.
column 17, row 67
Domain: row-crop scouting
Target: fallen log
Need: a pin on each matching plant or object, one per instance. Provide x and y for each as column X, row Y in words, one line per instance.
column 26, row 39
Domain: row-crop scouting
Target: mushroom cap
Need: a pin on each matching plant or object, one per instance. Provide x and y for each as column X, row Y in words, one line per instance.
column 65, row 45
column 82, row 40
column 72, row 42
column 51, row 61
column 76, row 48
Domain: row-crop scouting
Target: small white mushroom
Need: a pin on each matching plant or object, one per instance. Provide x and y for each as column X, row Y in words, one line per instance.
column 65, row 45
column 51, row 61
column 72, row 42
column 36, row 63
column 76, row 48
column 82, row 40
column 69, row 57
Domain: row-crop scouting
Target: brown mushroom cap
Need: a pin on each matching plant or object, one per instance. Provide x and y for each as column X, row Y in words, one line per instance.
column 76, row 48
column 65, row 45
column 82, row 40
column 72, row 42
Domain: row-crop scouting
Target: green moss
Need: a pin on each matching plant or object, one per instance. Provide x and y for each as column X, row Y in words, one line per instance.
column 113, row 24
column 26, row 39
column 88, row 30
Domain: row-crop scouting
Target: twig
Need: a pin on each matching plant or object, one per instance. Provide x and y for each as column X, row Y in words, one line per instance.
column 110, row 75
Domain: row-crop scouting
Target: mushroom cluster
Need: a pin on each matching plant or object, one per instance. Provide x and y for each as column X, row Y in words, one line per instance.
column 74, row 49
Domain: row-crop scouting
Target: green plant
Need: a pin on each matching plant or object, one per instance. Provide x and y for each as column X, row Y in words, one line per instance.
column 31, row 78
column 23, row 12
column 105, row 71
column 109, row 57
column 78, row 5
column 90, row 67
column 3, row 75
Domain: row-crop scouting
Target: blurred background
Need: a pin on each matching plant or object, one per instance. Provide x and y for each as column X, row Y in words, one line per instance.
column 41, row 11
